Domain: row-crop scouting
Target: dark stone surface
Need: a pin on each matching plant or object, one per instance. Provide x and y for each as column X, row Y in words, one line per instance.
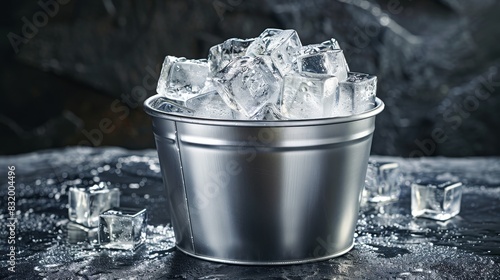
column 437, row 62
column 389, row 242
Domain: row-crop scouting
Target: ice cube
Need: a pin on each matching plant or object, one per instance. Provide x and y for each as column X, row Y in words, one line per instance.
column 268, row 113
column 438, row 200
column 383, row 180
column 328, row 45
column 86, row 203
column 209, row 105
column 356, row 95
column 331, row 62
column 273, row 113
column 171, row 106
column 181, row 78
column 222, row 54
column 83, row 236
column 279, row 45
column 122, row 228
column 246, row 85
column 305, row 97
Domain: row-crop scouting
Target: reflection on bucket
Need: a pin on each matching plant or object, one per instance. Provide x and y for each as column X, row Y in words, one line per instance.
column 263, row 192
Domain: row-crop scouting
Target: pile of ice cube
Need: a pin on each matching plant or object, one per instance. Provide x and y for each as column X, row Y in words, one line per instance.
column 271, row 77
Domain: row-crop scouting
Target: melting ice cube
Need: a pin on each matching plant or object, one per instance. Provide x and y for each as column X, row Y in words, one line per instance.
column 383, row 180
column 305, row 97
column 181, row 78
column 438, row 200
column 277, row 47
column 247, row 85
column 222, row 54
column 86, row 203
column 122, row 228
column 356, row 95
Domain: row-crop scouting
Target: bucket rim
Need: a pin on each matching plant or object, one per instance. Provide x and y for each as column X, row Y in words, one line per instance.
column 258, row 123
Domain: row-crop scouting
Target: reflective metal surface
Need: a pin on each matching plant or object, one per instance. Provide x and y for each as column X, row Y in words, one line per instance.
column 260, row 192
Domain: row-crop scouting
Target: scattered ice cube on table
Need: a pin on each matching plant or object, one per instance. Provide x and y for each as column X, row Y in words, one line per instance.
column 86, row 203
column 181, row 78
column 171, row 106
column 209, row 105
column 331, row 62
column 356, row 95
column 383, row 180
column 438, row 200
column 221, row 55
column 78, row 234
column 122, row 228
column 305, row 97
column 247, row 85
column 279, row 45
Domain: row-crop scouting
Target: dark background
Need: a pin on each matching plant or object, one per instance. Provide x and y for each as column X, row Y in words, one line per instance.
column 76, row 72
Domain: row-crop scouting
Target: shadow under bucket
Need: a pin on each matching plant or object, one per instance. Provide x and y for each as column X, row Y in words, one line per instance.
column 263, row 192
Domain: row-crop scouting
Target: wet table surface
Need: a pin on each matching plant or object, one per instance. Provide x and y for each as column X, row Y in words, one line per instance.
column 389, row 242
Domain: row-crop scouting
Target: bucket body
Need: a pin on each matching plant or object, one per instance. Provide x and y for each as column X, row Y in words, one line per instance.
column 263, row 192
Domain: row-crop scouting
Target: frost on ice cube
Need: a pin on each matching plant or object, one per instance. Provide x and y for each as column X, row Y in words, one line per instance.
column 331, row 62
column 222, row 54
column 305, row 97
column 181, row 78
column 171, row 106
column 122, row 228
column 277, row 47
column 209, row 105
column 438, row 200
column 246, row 85
column 383, row 180
column 86, row 203
column 356, row 95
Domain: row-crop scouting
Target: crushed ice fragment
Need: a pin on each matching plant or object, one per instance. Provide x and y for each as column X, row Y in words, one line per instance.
column 122, row 228
column 438, row 200
column 86, row 203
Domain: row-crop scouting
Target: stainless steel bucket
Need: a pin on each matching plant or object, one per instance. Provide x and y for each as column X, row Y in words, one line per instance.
column 263, row 192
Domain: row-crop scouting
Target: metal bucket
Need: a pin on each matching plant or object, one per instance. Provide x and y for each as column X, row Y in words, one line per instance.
column 263, row 192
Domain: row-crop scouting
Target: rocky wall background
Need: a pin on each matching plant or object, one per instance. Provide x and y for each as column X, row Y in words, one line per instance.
column 76, row 72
